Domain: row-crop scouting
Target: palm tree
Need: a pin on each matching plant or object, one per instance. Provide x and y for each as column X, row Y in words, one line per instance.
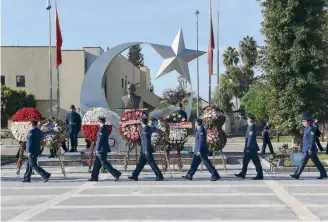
column 248, row 51
column 230, row 57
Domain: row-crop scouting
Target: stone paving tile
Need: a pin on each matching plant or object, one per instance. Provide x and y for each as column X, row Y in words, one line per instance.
column 10, row 213
column 311, row 199
column 138, row 200
column 167, row 214
column 320, row 212
column 307, row 189
column 36, row 192
column 191, row 190
column 10, row 201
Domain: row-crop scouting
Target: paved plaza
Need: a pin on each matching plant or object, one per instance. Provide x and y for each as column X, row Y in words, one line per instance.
column 277, row 198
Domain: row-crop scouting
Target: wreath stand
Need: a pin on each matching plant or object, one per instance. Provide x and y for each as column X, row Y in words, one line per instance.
column 167, row 162
column 130, row 146
column 61, row 161
column 213, row 161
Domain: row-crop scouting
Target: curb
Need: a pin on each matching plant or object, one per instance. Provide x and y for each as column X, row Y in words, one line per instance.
column 6, row 162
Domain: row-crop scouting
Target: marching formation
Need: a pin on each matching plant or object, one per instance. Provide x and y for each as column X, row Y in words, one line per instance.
column 201, row 149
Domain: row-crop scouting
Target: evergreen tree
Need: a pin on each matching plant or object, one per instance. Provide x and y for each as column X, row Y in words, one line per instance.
column 135, row 56
column 295, row 60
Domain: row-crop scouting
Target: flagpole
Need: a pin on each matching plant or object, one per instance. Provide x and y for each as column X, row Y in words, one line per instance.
column 217, row 45
column 197, row 13
column 57, row 70
column 210, row 75
column 50, row 66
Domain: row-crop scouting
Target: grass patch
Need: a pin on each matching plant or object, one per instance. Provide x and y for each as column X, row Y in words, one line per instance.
column 7, row 157
column 322, row 158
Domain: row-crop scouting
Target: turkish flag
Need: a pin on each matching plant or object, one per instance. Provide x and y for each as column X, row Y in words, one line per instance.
column 59, row 42
column 211, row 46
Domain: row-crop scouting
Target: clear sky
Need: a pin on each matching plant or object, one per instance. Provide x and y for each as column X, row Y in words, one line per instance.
column 111, row 22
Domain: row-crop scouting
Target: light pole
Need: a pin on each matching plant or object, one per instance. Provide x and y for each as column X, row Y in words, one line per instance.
column 197, row 13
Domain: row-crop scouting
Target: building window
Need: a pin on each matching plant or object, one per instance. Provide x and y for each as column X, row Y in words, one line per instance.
column 3, row 80
column 122, row 83
column 20, row 81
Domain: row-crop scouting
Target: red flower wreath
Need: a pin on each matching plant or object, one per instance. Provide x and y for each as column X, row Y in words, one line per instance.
column 90, row 131
column 130, row 132
column 26, row 114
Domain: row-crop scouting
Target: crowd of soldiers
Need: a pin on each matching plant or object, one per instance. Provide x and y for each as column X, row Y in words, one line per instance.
column 201, row 151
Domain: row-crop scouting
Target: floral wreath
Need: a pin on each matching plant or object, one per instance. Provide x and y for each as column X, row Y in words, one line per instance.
column 213, row 119
column 216, row 139
column 130, row 125
column 90, row 127
column 52, row 136
column 20, row 128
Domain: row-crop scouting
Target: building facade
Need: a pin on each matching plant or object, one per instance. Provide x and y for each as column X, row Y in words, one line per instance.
column 27, row 68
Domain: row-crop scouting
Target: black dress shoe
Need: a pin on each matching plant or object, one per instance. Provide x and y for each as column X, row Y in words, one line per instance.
column 47, row 178
column 322, row 177
column 240, row 175
column 215, row 178
column 26, row 181
column 187, row 177
column 258, row 178
column 93, row 179
column 133, row 178
column 295, row 176
column 159, row 178
column 118, row 176
column 51, row 156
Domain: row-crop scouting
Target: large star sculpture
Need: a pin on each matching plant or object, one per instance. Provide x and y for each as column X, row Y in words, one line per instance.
column 176, row 57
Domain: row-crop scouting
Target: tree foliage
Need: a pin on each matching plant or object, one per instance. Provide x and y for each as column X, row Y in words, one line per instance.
column 177, row 95
column 12, row 101
column 239, row 74
column 295, row 60
column 256, row 101
column 135, row 56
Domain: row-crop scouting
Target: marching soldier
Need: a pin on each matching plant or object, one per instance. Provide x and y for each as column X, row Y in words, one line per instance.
column 309, row 150
column 266, row 140
column 33, row 149
column 201, row 154
column 317, row 133
column 102, row 148
column 73, row 123
column 250, row 150
column 146, row 152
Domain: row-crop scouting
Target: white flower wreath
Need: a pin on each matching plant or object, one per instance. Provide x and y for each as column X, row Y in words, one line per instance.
column 91, row 117
column 20, row 130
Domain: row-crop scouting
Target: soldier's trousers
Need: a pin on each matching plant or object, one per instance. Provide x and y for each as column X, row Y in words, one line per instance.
column 101, row 160
column 73, row 139
column 31, row 165
column 143, row 159
column 265, row 143
column 196, row 160
column 315, row 160
column 248, row 156
column 317, row 141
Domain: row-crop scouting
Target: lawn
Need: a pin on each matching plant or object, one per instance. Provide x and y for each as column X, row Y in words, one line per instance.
column 322, row 157
column 7, row 157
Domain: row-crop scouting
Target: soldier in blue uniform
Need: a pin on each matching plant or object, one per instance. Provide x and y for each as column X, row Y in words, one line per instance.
column 266, row 140
column 73, row 123
column 146, row 153
column 309, row 150
column 250, row 150
column 102, row 148
column 182, row 112
column 201, row 154
column 317, row 133
column 33, row 150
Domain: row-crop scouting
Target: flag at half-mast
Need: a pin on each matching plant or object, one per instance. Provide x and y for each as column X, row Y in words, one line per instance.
column 59, row 41
column 211, row 45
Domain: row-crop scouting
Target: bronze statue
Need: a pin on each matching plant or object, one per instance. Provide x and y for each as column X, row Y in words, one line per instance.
column 131, row 101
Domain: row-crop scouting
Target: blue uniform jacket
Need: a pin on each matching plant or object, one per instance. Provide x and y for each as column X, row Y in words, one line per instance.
column 265, row 134
column 250, row 139
column 183, row 114
column 316, row 129
column 33, row 142
column 73, row 122
column 200, row 141
column 309, row 140
column 102, row 145
column 146, row 140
